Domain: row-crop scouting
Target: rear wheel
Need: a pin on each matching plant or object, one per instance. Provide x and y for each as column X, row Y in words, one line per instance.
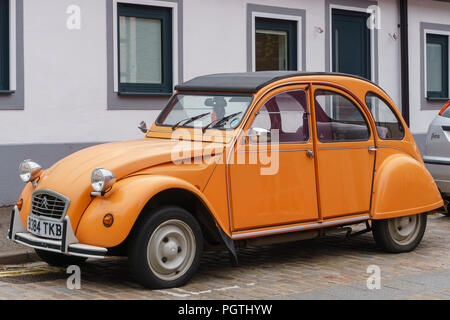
column 166, row 248
column 400, row 234
column 59, row 259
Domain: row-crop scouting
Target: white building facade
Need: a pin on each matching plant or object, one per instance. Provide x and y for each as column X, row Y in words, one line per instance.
column 79, row 72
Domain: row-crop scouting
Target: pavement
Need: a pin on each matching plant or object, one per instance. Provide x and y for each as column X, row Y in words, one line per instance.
column 325, row 269
column 11, row 252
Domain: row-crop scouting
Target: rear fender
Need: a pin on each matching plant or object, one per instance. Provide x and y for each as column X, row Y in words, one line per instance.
column 403, row 186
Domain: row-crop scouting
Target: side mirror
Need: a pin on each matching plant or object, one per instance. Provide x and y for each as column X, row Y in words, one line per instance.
column 259, row 135
column 143, row 127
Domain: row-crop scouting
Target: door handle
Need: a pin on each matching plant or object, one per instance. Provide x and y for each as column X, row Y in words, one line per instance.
column 372, row 149
column 310, row 153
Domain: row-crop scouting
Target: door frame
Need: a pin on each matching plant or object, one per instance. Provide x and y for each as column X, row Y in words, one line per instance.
column 282, row 147
column 373, row 40
column 373, row 136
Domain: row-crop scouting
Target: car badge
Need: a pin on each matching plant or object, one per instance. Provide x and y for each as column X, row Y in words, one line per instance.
column 44, row 203
column 435, row 135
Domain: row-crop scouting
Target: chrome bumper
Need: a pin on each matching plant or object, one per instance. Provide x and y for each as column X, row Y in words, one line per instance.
column 68, row 245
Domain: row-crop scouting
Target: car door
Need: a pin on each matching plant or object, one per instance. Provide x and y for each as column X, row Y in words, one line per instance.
column 274, row 184
column 345, row 153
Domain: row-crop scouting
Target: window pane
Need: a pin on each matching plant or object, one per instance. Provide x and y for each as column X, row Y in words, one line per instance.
column 271, row 50
column 4, row 45
column 388, row 125
column 285, row 112
column 434, row 67
column 214, row 108
column 338, row 118
column 446, row 113
column 140, row 50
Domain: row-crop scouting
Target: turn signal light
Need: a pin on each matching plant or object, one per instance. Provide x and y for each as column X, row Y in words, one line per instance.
column 19, row 204
column 444, row 108
column 108, row 220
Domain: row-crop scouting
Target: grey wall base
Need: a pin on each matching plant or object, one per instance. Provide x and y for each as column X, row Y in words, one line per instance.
column 11, row 156
column 420, row 139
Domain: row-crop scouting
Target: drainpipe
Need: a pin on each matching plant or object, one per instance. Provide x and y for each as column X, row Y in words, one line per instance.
column 404, row 59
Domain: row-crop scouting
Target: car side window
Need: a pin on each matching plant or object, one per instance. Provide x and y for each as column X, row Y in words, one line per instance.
column 338, row 118
column 286, row 112
column 388, row 125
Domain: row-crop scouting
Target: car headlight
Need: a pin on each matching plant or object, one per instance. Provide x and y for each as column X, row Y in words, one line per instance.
column 102, row 180
column 29, row 171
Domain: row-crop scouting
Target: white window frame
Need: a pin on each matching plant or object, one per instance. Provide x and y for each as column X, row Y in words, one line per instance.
column 372, row 36
column 12, row 46
column 438, row 32
column 298, row 19
column 154, row 3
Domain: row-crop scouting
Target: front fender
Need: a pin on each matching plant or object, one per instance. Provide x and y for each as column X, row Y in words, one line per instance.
column 126, row 201
column 403, row 186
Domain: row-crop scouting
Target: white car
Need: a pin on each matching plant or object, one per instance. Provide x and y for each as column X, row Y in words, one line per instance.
column 437, row 150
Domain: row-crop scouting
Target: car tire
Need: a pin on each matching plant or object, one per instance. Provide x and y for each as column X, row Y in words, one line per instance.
column 59, row 259
column 402, row 234
column 166, row 248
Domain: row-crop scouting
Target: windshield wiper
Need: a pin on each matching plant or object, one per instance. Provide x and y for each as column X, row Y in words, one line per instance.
column 189, row 120
column 219, row 122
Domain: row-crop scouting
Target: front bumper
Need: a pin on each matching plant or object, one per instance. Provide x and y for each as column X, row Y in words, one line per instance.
column 69, row 244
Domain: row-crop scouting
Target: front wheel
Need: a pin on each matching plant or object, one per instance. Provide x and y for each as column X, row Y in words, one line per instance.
column 402, row 234
column 166, row 248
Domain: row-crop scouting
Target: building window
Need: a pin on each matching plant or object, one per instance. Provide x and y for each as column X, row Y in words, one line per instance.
column 4, row 45
column 275, row 44
column 437, row 66
column 145, row 49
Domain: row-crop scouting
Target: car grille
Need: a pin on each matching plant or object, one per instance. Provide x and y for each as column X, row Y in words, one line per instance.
column 49, row 204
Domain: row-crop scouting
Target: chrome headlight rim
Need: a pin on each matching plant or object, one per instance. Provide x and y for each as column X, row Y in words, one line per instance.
column 29, row 171
column 102, row 180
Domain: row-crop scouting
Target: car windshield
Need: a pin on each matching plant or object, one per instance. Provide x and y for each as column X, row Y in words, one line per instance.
column 205, row 111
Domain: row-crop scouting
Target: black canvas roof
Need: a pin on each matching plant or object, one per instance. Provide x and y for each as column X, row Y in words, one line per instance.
column 245, row 82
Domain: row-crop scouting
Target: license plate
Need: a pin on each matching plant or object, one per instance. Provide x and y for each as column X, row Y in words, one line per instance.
column 45, row 228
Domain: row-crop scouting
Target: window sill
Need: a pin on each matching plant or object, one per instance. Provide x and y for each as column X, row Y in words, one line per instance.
column 437, row 99
column 6, row 92
column 149, row 94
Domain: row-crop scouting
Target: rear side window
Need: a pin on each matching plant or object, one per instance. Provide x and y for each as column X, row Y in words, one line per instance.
column 388, row 125
column 338, row 118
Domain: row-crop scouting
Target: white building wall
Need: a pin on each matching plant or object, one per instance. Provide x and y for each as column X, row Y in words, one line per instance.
column 66, row 71
column 435, row 12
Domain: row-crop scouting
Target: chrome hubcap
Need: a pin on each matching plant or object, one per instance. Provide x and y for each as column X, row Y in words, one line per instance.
column 404, row 230
column 171, row 250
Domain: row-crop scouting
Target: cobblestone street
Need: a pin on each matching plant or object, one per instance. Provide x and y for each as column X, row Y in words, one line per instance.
column 330, row 268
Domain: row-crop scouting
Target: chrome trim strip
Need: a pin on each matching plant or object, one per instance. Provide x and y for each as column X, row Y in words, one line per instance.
column 299, row 228
column 195, row 133
column 436, row 160
column 387, row 147
column 343, row 148
column 278, row 150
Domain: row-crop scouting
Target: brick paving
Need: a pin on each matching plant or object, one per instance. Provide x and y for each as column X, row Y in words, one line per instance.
column 330, row 268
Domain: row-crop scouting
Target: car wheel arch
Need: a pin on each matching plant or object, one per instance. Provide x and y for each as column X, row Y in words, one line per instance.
column 141, row 192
